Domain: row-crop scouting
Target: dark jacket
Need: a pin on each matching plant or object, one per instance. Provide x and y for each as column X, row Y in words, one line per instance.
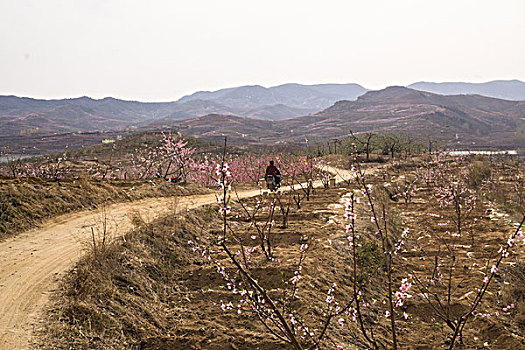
column 272, row 170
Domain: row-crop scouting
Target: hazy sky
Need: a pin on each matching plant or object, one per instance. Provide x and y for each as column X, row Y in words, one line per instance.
column 161, row 50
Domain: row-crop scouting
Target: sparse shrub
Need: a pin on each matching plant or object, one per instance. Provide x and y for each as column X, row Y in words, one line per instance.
column 371, row 261
column 513, row 292
column 478, row 173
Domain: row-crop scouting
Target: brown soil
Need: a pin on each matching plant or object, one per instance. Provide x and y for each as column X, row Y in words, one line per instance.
column 485, row 233
column 152, row 292
column 33, row 262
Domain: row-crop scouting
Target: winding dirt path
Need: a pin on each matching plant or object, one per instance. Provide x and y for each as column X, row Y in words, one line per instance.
column 32, row 263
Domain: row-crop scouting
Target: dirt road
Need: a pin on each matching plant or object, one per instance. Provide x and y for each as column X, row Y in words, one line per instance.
column 32, row 263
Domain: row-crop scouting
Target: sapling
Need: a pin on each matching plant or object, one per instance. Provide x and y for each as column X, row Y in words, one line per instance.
column 405, row 188
column 13, row 163
column 389, row 248
column 364, row 142
column 503, row 252
column 277, row 312
column 284, row 199
column 440, row 289
column 262, row 226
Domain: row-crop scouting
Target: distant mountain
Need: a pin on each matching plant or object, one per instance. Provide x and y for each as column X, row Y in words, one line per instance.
column 277, row 112
column 194, row 108
column 310, row 97
column 25, row 114
column 283, row 113
column 459, row 120
column 21, row 114
column 504, row 89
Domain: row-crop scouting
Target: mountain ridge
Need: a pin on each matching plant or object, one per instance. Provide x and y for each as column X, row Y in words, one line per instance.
column 462, row 121
column 295, row 95
column 22, row 114
column 394, row 107
column 504, row 89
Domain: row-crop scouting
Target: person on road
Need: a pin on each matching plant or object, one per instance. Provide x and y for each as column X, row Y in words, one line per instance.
column 272, row 170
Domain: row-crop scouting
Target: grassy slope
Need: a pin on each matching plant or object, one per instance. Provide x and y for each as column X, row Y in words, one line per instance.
column 154, row 291
column 26, row 202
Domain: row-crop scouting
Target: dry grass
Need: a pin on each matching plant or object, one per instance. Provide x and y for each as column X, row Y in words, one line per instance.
column 26, row 202
column 150, row 291
column 121, row 295
column 513, row 291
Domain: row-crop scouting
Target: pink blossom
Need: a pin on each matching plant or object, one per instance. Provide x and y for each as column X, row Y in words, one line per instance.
column 295, row 279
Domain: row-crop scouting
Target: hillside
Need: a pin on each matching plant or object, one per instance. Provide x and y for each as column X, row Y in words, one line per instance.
column 504, row 89
column 314, row 97
column 21, row 115
column 458, row 119
column 462, row 120
column 465, row 121
column 26, row 115
column 216, row 126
